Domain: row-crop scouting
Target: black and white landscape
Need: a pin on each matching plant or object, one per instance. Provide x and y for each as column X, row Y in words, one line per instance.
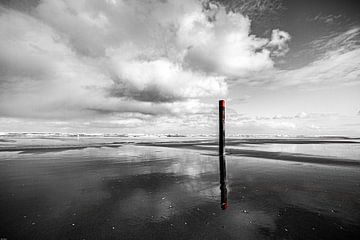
column 109, row 119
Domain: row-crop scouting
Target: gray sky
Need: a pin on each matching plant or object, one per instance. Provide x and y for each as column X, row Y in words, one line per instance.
column 160, row 66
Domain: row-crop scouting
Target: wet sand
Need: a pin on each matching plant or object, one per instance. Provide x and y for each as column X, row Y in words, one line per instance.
column 170, row 190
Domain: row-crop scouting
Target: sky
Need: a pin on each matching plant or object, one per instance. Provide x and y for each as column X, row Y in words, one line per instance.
column 160, row 66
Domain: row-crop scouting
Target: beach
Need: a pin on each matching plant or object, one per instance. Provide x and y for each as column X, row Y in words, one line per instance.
column 168, row 188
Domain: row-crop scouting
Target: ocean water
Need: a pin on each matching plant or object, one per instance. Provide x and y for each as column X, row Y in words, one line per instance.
column 122, row 188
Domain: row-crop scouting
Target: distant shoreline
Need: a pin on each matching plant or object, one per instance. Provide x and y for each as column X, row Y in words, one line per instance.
column 165, row 135
column 235, row 147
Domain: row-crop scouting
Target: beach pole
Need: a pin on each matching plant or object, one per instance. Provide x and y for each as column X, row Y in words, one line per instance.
column 222, row 154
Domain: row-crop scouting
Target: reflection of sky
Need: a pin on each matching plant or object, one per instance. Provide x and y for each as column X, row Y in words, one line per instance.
column 348, row 151
column 155, row 190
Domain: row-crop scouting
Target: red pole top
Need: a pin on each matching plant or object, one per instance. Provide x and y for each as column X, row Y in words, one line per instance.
column 222, row 103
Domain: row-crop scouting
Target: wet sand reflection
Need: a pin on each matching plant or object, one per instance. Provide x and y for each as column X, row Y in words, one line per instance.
column 149, row 192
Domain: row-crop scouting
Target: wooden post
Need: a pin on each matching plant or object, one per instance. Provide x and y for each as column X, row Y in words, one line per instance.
column 222, row 154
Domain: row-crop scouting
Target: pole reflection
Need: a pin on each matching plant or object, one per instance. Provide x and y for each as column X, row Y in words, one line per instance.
column 223, row 187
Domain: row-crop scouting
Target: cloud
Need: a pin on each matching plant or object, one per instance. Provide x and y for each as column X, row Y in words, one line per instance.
column 327, row 19
column 162, row 81
column 315, row 123
column 343, row 41
column 224, row 45
column 337, row 64
column 279, row 42
column 71, row 60
column 154, row 65
column 335, row 68
column 42, row 76
column 301, row 115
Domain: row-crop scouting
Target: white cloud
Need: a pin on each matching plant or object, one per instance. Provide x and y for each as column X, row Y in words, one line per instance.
column 74, row 59
column 279, row 42
column 335, row 68
column 301, row 115
column 338, row 63
column 151, row 64
column 162, row 81
column 224, row 46
column 298, row 124
column 327, row 19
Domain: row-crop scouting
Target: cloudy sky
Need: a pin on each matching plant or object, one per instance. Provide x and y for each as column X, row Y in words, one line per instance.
column 160, row 66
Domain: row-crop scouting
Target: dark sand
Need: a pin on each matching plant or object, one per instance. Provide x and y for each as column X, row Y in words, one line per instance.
column 170, row 190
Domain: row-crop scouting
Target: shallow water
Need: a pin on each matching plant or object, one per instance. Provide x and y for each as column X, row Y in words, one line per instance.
column 339, row 150
column 133, row 191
